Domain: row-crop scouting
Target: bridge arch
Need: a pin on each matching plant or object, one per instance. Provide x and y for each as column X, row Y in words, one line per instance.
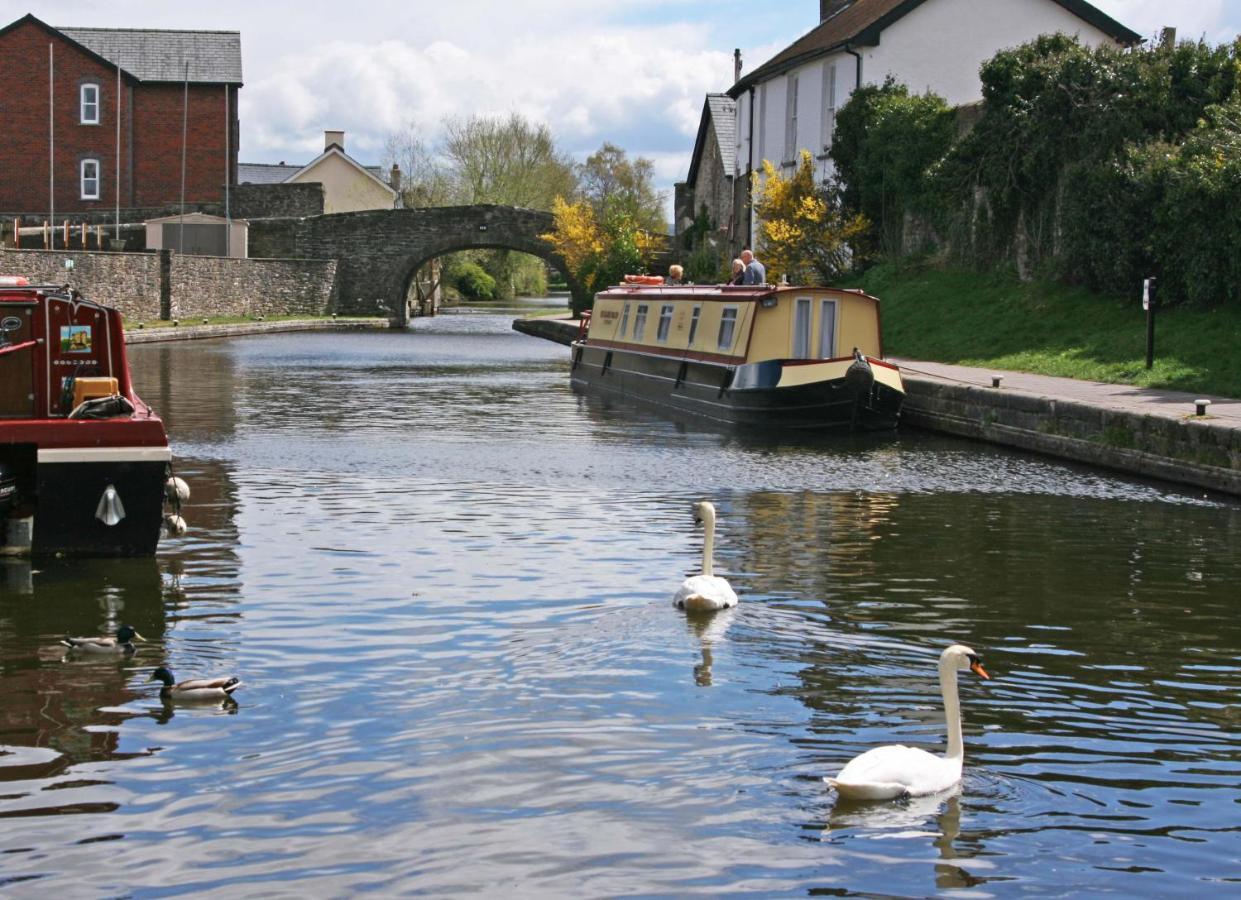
column 378, row 251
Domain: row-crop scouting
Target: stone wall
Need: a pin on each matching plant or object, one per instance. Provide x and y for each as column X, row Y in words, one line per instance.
column 194, row 286
column 1199, row 451
column 264, row 201
column 219, row 286
column 126, row 281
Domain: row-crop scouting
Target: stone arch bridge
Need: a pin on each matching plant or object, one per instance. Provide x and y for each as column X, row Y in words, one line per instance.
column 379, row 251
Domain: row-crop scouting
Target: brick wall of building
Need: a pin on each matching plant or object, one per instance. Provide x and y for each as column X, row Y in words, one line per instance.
column 158, row 113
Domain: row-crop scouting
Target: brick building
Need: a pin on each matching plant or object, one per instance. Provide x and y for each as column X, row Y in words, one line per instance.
column 60, row 105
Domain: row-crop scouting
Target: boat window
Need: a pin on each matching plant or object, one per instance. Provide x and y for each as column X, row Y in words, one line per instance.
column 665, row 322
column 728, row 326
column 827, row 330
column 801, row 329
column 693, row 325
column 624, row 326
column 639, row 322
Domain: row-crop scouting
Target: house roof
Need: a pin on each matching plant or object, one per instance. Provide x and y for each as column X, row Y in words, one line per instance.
column 265, row 173
column 370, row 171
column 718, row 118
column 859, row 22
column 152, row 54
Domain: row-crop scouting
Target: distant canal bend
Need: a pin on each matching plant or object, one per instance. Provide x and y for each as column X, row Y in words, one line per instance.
column 446, row 582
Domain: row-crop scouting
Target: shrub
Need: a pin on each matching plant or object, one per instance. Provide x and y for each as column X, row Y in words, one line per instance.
column 474, row 283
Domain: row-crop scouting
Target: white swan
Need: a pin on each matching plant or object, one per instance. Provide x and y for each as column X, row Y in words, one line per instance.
column 897, row 771
column 705, row 592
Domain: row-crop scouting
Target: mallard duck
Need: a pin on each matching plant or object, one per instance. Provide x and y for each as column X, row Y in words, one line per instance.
column 708, row 591
column 122, row 643
column 194, row 688
column 884, row 773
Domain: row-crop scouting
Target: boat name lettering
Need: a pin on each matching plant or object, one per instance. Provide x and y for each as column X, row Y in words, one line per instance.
column 609, row 314
column 75, row 362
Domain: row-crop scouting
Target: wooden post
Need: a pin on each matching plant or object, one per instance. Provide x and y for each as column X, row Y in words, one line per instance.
column 47, row 235
column 17, row 233
column 65, row 228
column 83, row 235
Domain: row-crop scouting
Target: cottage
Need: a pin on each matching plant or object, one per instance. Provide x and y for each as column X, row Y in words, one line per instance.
column 789, row 103
column 348, row 186
column 101, row 117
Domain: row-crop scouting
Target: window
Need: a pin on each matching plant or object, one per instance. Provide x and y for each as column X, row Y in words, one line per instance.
column 728, row 326
column 90, row 179
column 90, row 104
column 829, row 104
column 665, row 322
column 639, row 322
column 790, row 122
column 762, row 123
column 801, row 328
column 827, row 330
column 624, row 326
column 693, row 325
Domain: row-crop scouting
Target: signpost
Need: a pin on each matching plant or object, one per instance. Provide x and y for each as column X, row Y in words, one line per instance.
column 1149, row 303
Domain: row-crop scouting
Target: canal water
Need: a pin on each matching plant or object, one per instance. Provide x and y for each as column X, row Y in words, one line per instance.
column 445, row 580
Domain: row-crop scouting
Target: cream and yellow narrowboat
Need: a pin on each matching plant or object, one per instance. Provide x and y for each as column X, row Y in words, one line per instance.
column 760, row 355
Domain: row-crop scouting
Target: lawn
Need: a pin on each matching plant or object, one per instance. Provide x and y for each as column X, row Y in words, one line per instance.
column 993, row 320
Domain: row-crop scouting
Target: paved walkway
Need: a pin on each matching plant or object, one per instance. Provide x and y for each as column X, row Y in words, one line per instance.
column 1121, row 397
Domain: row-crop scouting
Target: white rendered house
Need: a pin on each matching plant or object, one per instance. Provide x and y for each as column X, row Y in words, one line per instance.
column 790, row 102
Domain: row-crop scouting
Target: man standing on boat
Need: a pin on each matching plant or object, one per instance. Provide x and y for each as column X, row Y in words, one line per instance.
column 755, row 271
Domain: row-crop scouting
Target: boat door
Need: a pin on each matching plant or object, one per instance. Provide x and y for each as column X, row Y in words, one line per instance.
column 79, row 345
column 17, row 362
column 801, row 328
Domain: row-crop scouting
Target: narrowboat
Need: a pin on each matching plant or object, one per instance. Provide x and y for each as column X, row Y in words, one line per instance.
column 85, row 466
column 755, row 355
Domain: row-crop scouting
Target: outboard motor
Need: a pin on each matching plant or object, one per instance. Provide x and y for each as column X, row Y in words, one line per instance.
column 8, row 491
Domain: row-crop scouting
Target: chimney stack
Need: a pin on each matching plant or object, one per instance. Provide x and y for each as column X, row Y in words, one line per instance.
column 829, row 8
column 394, row 178
column 333, row 137
column 736, row 65
column 1167, row 38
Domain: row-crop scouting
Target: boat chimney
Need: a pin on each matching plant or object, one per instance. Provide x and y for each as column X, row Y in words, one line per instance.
column 334, row 137
column 736, row 65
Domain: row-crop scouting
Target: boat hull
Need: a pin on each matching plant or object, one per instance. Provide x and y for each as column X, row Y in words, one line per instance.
column 70, row 526
column 768, row 395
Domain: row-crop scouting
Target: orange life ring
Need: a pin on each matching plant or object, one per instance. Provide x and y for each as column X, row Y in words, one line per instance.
column 643, row 279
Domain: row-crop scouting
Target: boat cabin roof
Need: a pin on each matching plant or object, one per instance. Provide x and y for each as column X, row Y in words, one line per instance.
column 731, row 293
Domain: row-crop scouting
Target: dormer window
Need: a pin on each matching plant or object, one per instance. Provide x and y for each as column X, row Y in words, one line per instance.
column 90, row 104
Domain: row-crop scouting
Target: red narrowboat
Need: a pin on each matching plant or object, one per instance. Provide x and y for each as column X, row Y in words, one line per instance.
column 85, row 465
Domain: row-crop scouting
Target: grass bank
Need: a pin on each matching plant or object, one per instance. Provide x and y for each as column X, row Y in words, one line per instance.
column 993, row 320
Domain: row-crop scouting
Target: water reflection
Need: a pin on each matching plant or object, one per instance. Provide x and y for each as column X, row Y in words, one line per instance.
column 445, row 580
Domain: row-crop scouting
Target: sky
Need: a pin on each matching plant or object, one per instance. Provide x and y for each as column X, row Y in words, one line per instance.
column 633, row 73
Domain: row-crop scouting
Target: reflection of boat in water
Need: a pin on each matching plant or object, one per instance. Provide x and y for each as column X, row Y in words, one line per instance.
column 764, row 355
column 83, row 461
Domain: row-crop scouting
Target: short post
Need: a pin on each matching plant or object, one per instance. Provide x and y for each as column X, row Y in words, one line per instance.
column 995, row 380
column 1149, row 303
column 1201, row 407
column 17, row 233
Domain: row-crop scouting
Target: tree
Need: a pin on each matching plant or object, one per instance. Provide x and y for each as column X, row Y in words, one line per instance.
column 424, row 182
column 597, row 253
column 612, row 184
column 805, row 233
column 510, row 161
